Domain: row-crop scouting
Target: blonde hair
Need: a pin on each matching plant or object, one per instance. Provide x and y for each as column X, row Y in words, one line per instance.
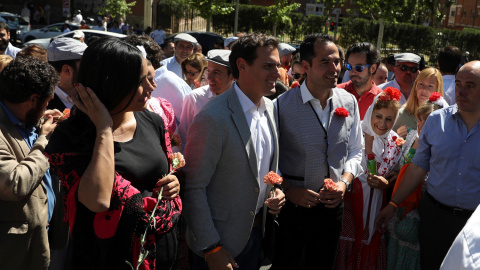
column 4, row 60
column 412, row 102
column 196, row 61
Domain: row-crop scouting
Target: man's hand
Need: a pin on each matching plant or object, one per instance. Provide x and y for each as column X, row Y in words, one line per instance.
column 56, row 114
column 384, row 217
column 221, row 260
column 48, row 127
column 275, row 201
column 332, row 199
column 171, row 187
column 303, row 197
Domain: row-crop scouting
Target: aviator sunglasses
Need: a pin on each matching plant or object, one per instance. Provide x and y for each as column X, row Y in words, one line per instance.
column 358, row 68
column 405, row 68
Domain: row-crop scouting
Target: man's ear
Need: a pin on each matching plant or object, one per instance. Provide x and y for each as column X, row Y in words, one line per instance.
column 306, row 66
column 67, row 70
column 373, row 68
column 241, row 64
column 33, row 100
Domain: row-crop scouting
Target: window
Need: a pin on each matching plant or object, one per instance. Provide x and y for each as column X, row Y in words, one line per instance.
column 452, row 14
column 464, row 15
column 472, row 15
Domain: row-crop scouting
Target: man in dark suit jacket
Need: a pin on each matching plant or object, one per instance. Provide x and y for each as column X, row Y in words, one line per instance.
column 231, row 145
column 64, row 55
column 25, row 189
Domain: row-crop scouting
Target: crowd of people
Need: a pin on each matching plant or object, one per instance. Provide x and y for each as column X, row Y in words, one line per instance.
column 115, row 155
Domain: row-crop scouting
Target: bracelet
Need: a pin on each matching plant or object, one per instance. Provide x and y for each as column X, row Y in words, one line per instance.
column 215, row 250
column 393, row 203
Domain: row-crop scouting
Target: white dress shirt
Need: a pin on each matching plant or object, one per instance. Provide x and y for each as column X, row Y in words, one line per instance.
column 465, row 250
column 173, row 89
column 393, row 83
column 261, row 136
column 449, row 88
column 63, row 97
column 172, row 65
column 355, row 141
column 192, row 104
column 12, row 50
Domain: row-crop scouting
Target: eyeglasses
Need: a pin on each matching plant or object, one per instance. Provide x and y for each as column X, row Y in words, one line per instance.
column 358, row 68
column 297, row 76
column 192, row 74
column 405, row 68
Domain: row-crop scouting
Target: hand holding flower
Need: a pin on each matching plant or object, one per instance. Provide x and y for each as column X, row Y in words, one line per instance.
column 275, row 201
column 171, row 187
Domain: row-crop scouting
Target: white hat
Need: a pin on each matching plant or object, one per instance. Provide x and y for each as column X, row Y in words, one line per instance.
column 229, row 40
column 78, row 34
column 285, row 49
column 219, row 56
column 408, row 57
column 185, row 37
column 62, row 49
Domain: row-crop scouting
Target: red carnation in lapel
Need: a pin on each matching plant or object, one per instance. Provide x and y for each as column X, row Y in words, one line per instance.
column 342, row 112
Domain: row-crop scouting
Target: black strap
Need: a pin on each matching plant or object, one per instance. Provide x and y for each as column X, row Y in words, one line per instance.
column 324, row 130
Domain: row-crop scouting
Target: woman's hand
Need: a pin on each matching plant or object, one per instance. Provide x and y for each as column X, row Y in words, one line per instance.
column 171, row 187
column 384, row 217
column 402, row 131
column 93, row 107
column 379, row 182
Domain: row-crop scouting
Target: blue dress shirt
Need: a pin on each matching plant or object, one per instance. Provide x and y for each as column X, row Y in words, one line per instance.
column 452, row 155
column 30, row 136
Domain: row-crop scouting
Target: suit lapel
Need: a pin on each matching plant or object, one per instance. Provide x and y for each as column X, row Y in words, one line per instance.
column 273, row 128
column 240, row 121
column 11, row 133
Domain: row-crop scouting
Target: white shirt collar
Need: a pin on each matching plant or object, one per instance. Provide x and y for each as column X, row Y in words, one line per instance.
column 307, row 96
column 247, row 104
column 63, row 97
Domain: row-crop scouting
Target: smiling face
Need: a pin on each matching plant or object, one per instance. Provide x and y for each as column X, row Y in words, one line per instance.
column 183, row 49
column 425, row 87
column 218, row 78
column 382, row 120
column 4, row 39
column 323, row 72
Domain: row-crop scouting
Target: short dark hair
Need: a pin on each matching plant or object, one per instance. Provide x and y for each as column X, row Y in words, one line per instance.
column 246, row 48
column 25, row 76
column 153, row 50
column 307, row 48
column 4, row 25
column 166, row 43
column 58, row 65
column 368, row 49
column 449, row 58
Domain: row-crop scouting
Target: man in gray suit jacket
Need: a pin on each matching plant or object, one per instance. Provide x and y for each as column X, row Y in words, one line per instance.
column 27, row 86
column 320, row 137
column 232, row 144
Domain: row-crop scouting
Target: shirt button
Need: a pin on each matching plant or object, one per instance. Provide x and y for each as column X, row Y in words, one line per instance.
column 257, row 190
column 252, row 213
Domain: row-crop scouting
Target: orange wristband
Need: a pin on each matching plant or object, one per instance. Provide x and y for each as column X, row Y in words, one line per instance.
column 215, row 250
column 392, row 203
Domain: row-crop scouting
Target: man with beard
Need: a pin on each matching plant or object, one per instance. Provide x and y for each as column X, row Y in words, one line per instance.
column 406, row 70
column 5, row 46
column 64, row 55
column 184, row 47
column 362, row 63
column 220, row 79
column 25, row 185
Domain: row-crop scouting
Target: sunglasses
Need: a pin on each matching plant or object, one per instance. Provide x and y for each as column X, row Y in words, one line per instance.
column 192, row 74
column 297, row 76
column 358, row 68
column 405, row 68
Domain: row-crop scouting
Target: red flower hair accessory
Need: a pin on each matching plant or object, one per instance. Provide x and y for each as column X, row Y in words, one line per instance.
column 342, row 112
column 390, row 93
column 434, row 96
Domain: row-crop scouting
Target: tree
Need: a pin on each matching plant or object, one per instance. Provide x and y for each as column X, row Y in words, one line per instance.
column 437, row 9
column 279, row 13
column 117, row 8
column 208, row 8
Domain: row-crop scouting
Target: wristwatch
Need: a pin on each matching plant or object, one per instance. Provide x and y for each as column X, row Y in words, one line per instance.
column 347, row 184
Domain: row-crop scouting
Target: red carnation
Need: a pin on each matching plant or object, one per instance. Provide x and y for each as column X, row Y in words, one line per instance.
column 371, row 156
column 393, row 94
column 272, row 178
column 394, row 138
column 342, row 112
column 329, row 185
column 66, row 114
column 434, row 96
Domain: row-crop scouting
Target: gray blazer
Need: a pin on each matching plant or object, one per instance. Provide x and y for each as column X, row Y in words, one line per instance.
column 23, row 200
column 222, row 185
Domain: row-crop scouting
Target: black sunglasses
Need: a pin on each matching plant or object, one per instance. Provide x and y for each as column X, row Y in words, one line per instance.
column 297, row 76
column 358, row 68
column 405, row 68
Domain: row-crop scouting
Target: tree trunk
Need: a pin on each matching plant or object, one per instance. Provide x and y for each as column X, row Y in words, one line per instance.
column 434, row 14
column 380, row 35
column 274, row 30
column 209, row 22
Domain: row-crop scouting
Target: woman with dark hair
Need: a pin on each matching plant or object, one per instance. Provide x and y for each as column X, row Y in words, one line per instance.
column 111, row 157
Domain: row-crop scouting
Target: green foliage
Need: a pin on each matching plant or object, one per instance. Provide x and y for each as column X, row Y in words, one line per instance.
column 405, row 37
column 177, row 7
column 279, row 13
column 117, row 8
column 208, row 8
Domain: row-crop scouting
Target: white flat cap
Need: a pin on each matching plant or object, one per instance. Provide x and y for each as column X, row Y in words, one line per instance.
column 229, row 40
column 285, row 49
column 65, row 49
column 78, row 34
column 219, row 56
column 185, row 37
column 407, row 57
